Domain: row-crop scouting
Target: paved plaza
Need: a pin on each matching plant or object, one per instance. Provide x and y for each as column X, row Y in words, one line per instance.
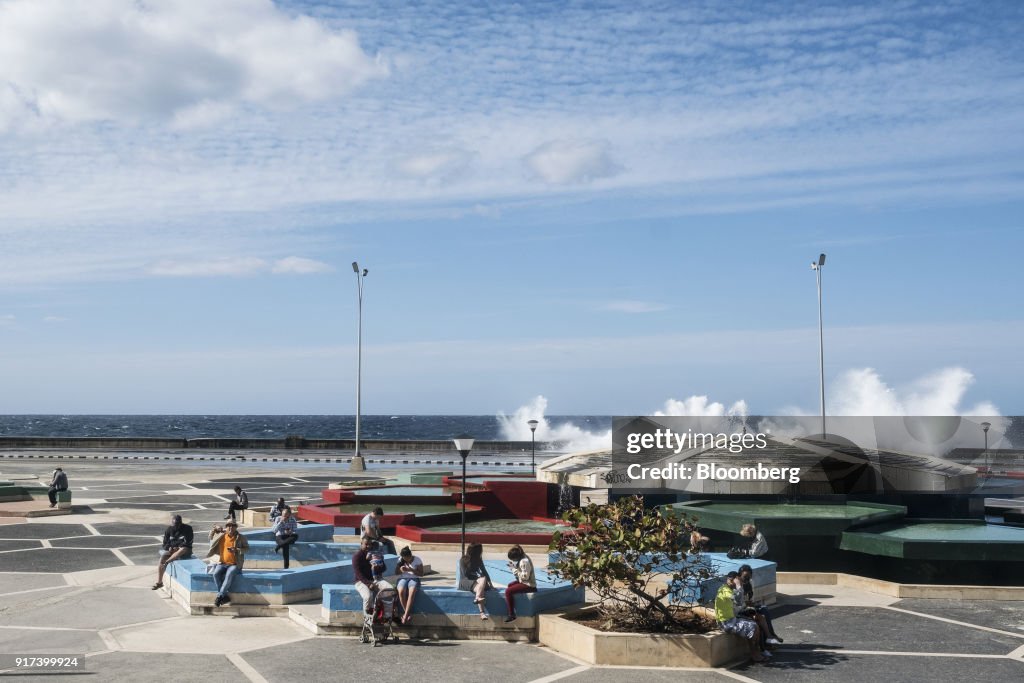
column 80, row 584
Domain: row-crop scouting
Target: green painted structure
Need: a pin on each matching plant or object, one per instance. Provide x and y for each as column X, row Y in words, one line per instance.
column 869, row 539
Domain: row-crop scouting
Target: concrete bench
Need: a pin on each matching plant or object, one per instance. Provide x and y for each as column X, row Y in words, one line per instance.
column 703, row 591
column 64, row 500
column 316, row 564
column 307, row 533
column 444, row 611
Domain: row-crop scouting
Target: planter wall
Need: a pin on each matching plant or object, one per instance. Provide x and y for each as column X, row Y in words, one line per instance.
column 638, row 649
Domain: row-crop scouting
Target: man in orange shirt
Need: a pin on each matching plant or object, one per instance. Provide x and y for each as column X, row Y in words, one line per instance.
column 228, row 546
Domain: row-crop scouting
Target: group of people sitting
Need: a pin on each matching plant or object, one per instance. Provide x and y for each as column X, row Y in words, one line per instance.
column 737, row 612
column 226, row 552
column 473, row 577
column 225, row 555
column 368, row 568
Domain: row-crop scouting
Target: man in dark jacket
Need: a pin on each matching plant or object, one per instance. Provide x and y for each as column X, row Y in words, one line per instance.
column 363, row 573
column 58, row 482
column 177, row 544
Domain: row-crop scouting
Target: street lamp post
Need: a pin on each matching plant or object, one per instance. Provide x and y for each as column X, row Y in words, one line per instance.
column 463, row 444
column 533, row 446
column 357, row 463
column 816, row 267
column 984, row 427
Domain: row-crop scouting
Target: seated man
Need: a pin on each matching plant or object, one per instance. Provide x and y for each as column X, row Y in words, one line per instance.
column 177, row 545
column 758, row 543
column 58, row 482
column 362, row 571
column 758, row 612
column 286, row 532
column 228, row 548
column 730, row 623
column 241, row 502
column 276, row 511
column 370, row 526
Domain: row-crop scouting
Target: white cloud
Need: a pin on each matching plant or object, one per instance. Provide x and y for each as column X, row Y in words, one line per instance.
column 561, row 162
column 630, row 306
column 440, row 163
column 297, row 265
column 178, row 60
column 190, row 113
column 228, row 266
column 237, row 266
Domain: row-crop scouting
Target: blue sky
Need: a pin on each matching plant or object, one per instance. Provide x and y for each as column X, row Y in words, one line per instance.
column 611, row 205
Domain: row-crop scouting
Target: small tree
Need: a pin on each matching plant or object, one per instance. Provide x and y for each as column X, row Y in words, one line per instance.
column 629, row 556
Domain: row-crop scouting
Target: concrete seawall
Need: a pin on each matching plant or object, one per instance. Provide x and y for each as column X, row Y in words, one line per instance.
column 291, row 442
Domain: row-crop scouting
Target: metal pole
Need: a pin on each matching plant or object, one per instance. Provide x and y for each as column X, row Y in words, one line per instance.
column 464, row 454
column 357, row 458
column 533, row 452
column 821, row 354
column 359, row 362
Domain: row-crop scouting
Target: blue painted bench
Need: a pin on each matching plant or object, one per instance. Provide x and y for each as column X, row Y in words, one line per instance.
column 307, row 533
column 326, row 563
column 444, row 611
column 703, row 591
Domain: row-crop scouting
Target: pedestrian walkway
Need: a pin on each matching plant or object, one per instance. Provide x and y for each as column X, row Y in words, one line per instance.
column 80, row 585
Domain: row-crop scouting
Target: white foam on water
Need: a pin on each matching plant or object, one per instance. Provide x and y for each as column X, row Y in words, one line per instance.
column 856, row 392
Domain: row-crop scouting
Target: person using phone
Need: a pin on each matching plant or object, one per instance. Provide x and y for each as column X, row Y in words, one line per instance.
column 746, row 573
column 228, row 548
column 525, row 582
column 409, row 572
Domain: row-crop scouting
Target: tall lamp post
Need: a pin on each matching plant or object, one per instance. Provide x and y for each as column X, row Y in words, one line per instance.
column 357, row 464
column 533, row 446
column 816, row 267
column 463, row 444
column 984, row 427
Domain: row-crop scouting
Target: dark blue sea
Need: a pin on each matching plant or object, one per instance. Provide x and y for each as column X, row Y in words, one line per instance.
column 401, row 427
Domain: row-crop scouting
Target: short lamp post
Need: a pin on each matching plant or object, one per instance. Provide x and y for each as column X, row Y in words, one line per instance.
column 533, row 446
column 463, row 444
column 985, row 427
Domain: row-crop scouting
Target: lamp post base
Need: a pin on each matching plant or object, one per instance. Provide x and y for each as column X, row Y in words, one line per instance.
column 357, row 464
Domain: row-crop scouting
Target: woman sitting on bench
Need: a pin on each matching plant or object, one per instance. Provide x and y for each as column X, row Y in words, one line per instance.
column 526, row 581
column 474, row 577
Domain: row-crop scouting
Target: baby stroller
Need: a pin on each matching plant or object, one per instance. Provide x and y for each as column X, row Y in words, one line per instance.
column 379, row 626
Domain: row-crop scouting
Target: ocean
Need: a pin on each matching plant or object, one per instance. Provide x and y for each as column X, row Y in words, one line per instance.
column 392, row 427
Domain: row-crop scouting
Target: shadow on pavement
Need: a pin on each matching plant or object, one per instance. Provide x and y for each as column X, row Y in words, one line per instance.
column 806, row 657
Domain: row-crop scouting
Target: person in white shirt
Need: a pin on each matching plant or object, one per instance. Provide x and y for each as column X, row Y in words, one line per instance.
column 409, row 572
column 758, row 544
column 525, row 581
column 286, row 532
column 370, row 526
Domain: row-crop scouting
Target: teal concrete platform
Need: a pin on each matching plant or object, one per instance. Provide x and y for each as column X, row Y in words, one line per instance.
column 789, row 519
column 966, row 540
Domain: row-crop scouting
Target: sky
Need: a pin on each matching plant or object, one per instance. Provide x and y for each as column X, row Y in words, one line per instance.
column 583, row 208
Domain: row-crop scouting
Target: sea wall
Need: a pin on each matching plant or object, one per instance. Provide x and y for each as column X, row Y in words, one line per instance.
column 291, row 442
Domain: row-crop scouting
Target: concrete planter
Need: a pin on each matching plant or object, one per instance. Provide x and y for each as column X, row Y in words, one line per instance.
column 712, row 649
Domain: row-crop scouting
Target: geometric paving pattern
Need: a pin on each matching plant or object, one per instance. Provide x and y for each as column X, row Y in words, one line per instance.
column 83, row 587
